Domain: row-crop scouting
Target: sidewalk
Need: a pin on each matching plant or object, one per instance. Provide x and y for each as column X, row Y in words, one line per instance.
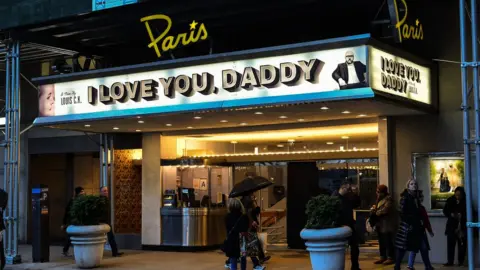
column 213, row 260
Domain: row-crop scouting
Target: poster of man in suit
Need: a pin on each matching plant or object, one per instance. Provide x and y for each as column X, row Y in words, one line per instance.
column 350, row 74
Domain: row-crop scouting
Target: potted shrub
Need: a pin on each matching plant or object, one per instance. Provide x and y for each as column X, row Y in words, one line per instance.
column 325, row 239
column 87, row 232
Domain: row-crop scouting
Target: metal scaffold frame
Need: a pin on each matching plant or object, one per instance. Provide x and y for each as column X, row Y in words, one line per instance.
column 466, row 66
column 12, row 151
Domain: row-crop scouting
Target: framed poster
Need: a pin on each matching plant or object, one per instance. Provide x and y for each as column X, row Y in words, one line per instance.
column 203, row 184
column 438, row 175
column 446, row 174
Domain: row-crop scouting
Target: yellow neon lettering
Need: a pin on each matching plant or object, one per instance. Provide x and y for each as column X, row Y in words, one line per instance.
column 168, row 43
column 406, row 31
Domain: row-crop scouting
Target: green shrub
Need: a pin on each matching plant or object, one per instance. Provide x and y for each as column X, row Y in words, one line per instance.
column 89, row 210
column 323, row 212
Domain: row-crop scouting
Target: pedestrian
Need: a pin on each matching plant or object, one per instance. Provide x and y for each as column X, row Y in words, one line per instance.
column 107, row 220
column 349, row 201
column 411, row 232
column 424, row 247
column 384, row 216
column 456, row 211
column 236, row 222
column 79, row 191
column 253, row 211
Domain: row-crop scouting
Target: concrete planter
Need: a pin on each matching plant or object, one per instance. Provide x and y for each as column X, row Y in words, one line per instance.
column 88, row 243
column 327, row 247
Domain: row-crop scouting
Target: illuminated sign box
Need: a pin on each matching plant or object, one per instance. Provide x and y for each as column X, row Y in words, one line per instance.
column 284, row 76
column 400, row 77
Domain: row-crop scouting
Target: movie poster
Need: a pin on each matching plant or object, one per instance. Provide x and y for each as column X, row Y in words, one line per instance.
column 446, row 175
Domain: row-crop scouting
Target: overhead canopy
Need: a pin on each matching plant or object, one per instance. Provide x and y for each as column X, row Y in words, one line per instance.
column 293, row 78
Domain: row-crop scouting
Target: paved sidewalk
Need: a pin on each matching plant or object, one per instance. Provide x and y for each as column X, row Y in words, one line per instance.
column 213, row 260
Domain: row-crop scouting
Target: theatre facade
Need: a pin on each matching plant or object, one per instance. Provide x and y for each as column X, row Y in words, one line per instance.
column 307, row 116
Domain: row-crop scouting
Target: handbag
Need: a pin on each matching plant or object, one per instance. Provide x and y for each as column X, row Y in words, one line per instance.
column 225, row 242
column 249, row 244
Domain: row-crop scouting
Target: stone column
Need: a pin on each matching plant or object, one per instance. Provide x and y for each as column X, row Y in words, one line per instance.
column 152, row 189
column 385, row 140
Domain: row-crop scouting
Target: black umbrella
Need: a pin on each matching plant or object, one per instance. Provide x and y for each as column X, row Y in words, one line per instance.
column 249, row 185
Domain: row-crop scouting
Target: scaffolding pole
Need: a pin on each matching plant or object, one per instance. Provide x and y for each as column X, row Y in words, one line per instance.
column 12, row 151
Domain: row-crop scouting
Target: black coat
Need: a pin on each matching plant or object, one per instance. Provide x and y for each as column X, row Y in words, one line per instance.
column 235, row 223
column 452, row 207
column 411, row 230
column 349, row 203
column 66, row 215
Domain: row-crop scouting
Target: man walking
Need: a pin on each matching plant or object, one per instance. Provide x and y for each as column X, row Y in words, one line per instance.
column 110, row 235
column 79, row 191
column 350, row 201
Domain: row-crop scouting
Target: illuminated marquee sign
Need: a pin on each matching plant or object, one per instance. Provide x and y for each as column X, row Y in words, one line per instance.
column 398, row 76
column 164, row 42
column 237, row 81
column 404, row 30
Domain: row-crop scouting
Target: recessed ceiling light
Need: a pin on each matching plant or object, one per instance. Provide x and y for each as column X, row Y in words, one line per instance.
column 283, row 117
column 345, row 137
column 139, row 117
column 324, row 108
column 189, row 127
column 346, row 112
column 329, row 143
column 361, row 115
column 280, row 145
column 197, row 117
column 223, row 121
column 115, row 128
column 234, row 142
column 168, row 125
column 138, row 130
column 384, row 119
column 243, row 124
column 300, row 120
column 87, row 125
column 258, row 113
column 141, row 121
column 291, row 140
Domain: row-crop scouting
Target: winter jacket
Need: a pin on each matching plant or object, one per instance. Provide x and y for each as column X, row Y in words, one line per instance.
column 411, row 230
column 385, row 216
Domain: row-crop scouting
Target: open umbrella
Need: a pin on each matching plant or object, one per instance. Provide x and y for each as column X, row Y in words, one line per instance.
column 249, row 185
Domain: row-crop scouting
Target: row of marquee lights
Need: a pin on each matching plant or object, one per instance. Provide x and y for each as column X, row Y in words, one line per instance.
column 324, row 108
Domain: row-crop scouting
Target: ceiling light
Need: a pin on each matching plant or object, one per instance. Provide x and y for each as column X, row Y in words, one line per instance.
column 223, row 121
column 291, row 140
column 115, row 128
column 138, row 130
column 300, row 120
column 361, row 115
column 345, row 137
column 329, row 143
column 346, row 112
column 258, row 113
column 283, row 117
column 141, row 122
column 189, row 127
column 280, row 145
column 139, row 117
column 234, row 142
column 168, row 125
column 384, row 119
column 87, row 125
column 324, row 108
column 243, row 124
column 197, row 117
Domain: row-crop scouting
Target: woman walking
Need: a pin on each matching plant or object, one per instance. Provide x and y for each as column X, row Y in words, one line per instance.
column 411, row 233
column 236, row 222
column 424, row 247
